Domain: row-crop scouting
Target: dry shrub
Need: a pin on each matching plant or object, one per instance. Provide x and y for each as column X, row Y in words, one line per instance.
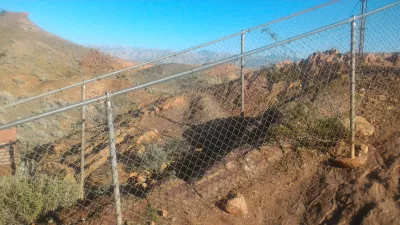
column 25, row 198
column 306, row 127
column 6, row 98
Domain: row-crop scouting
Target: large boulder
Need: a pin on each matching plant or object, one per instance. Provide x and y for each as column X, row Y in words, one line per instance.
column 362, row 126
column 352, row 163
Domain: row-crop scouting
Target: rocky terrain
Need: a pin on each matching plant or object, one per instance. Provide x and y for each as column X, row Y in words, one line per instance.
column 190, row 158
column 185, row 153
column 33, row 61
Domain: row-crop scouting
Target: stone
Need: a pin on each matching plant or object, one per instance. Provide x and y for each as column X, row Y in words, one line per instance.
column 173, row 103
column 50, row 220
column 362, row 126
column 237, row 205
column 369, row 58
column 351, row 163
column 163, row 166
column 119, row 139
column 164, row 213
column 362, row 147
column 148, row 137
column 141, row 178
column 141, row 150
column 133, row 174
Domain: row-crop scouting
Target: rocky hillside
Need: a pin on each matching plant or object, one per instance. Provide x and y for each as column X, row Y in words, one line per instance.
column 295, row 126
column 33, row 60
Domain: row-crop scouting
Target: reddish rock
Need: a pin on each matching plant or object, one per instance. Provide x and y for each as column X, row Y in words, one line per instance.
column 352, row 163
column 237, row 205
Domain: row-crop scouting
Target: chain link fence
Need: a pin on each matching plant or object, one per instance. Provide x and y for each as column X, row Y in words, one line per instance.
column 17, row 107
column 178, row 142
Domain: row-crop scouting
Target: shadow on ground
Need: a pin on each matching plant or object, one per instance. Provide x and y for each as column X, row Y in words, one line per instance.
column 212, row 141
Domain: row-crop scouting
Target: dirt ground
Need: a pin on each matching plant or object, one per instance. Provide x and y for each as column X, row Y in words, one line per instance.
column 304, row 187
column 281, row 185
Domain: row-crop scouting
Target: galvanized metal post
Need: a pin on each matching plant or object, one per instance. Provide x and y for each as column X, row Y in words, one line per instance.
column 83, row 129
column 352, row 86
column 362, row 28
column 113, row 157
column 243, row 84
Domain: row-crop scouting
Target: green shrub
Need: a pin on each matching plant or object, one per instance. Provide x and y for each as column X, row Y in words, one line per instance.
column 155, row 154
column 24, row 198
column 306, row 128
column 321, row 133
column 329, row 130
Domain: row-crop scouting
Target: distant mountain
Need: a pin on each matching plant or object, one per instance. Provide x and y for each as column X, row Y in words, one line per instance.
column 145, row 54
column 194, row 58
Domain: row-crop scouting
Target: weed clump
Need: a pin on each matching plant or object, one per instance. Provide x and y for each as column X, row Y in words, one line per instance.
column 25, row 198
column 156, row 155
column 307, row 129
column 6, row 98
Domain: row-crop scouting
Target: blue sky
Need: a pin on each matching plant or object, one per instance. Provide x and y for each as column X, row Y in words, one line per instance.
column 164, row 24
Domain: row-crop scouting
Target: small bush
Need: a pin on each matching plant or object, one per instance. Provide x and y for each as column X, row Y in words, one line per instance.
column 40, row 76
column 306, row 128
column 329, row 129
column 17, row 80
column 155, row 155
column 6, row 98
column 25, row 198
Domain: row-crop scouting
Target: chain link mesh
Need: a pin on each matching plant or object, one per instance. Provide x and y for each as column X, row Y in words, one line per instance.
column 255, row 38
column 184, row 145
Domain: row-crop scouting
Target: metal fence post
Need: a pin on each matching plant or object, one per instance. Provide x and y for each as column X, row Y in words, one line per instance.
column 362, row 29
column 242, row 75
column 83, row 128
column 352, row 86
column 113, row 157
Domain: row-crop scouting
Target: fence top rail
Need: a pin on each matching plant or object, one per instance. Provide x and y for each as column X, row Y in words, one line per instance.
column 229, row 59
column 96, row 78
